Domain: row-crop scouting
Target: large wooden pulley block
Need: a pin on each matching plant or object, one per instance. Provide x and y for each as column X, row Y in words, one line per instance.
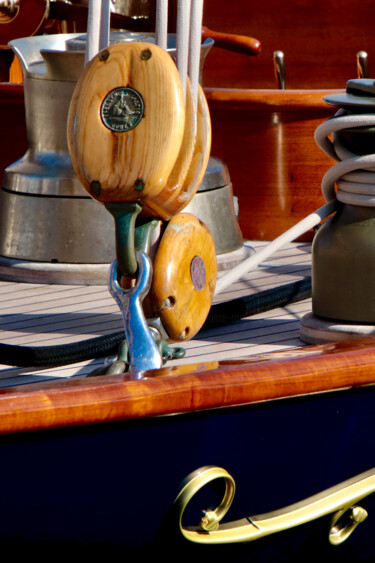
column 126, row 123
column 131, row 135
column 190, row 166
column 184, row 276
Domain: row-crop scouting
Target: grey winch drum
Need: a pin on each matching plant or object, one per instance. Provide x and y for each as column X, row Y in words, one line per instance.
column 343, row 251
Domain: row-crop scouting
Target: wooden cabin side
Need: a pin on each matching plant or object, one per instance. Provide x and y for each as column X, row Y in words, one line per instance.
column 319, row 39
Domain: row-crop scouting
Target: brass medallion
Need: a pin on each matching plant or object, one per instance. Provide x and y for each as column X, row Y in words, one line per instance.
column 198, row 273
column 122, row 109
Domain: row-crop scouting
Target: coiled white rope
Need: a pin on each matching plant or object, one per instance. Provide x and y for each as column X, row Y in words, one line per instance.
column 354, row 176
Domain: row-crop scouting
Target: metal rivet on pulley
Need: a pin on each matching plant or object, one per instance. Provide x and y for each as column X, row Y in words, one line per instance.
column 146, row 54
column 104, row 55
column 139, row 184
column 96, row 187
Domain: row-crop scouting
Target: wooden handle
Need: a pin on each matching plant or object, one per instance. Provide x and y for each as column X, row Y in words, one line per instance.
column 236, row 43
column 126, row 123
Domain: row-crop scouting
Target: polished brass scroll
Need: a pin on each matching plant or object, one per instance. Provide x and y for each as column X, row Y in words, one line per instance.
column 340, row 501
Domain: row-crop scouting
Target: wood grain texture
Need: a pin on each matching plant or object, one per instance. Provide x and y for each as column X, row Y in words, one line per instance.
column 187, row 389
column 182, row 164
column 174, row 199
column 202, row 149
column 161, row 204
column 319, row 40
column 184, row 276
column 119, row 161
column 266, row 138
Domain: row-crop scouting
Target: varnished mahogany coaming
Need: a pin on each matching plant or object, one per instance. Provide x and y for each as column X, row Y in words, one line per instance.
column 266, row 138
column 188, row 388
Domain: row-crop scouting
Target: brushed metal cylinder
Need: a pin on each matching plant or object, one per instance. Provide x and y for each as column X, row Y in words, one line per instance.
column 215, row 205
column 343, row 266
column 216, row 209
column 51, row 229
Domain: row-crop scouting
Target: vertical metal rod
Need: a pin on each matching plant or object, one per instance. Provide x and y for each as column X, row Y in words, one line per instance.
column 362, row 64
column 161, row 26
column 279, row 68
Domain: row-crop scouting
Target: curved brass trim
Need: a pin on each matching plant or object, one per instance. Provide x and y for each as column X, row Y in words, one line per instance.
column 340, row 532
column 196, row 481
column 337, row 500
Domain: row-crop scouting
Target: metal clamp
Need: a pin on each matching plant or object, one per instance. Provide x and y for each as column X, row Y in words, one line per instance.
column 143, row 351
column 340, row 501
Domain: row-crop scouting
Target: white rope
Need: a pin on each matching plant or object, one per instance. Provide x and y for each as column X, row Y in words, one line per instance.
column 161, row 24
column 98, row 27
column 182, row 39
column 253, row 261
column 93, row 29
column 354, row 175
column 196, row 17
column 105, row 18
column 353, row 172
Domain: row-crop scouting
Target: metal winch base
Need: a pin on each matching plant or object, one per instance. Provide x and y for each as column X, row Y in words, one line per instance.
column 343, row 250
column 27, row 271
column 314, row 330
column 47, row 239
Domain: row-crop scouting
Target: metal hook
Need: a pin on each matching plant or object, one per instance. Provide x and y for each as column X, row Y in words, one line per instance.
column 143, row 351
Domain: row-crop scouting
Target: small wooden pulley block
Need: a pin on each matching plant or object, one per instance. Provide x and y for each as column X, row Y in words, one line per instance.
column 184, row 276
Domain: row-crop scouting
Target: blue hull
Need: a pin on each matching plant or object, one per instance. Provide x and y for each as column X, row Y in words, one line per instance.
column 109, row 489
